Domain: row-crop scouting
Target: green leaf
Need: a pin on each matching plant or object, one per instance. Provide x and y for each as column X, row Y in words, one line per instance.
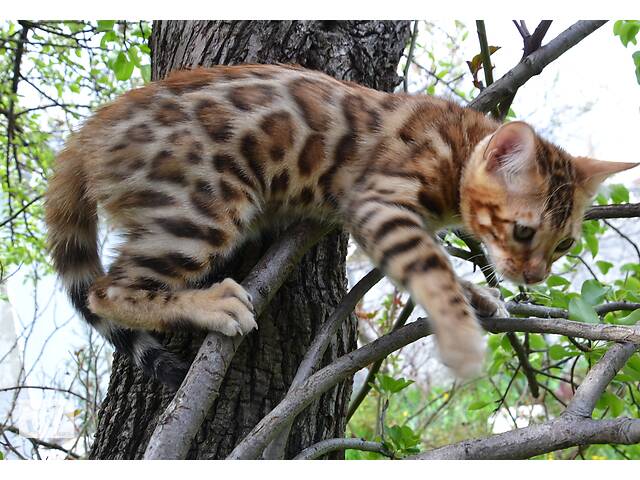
column 108, row 37
column 617, row 26
column 592, row 243
column 498, row 361
column 633, row 268
column 634, row 362
column 392, row 385
column 636, row 61
column 105, row 25
column 631, row 319
column 619, row 193
column 145, row 71
column 477, row 405
column 493, row 342
column 506, row 293
column 134, row 55
column 558, row 352
column 626, row 30
column 604, row 266
column 559, row 299
column 506, row 344
column 403, row 438
column 581, row 311
column 613, row 402
column 537, row 342
column 593, row 292
column 557, row 281
column 632, row 373
column 122, row 67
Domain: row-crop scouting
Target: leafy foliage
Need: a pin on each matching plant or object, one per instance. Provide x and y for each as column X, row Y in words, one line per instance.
column 51, row 75
column 627, row 30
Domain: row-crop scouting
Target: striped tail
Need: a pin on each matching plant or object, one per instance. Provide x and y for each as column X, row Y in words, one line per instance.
column 72, row 224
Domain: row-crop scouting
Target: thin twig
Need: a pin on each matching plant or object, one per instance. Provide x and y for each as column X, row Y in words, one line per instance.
column 37, row 441
column 631, row 242
column 486, row 57
column 375, row 368
column 414, row 36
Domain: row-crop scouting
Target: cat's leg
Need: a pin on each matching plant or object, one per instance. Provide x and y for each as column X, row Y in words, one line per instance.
column 148, row 286
column 394, row 236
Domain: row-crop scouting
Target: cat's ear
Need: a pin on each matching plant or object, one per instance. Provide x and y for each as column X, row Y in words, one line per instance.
column 511, row 152
column 590, row 173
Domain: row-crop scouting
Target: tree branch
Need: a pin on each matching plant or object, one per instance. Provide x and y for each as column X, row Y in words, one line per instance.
column 556, row 326
column 332, row 444
column 628, row 210
column 182, row 418
column 533, row 64
column 573, row 427
column 531, row 43
column 539, row 439
column 412, row 45
column 552, row 312
column 313, row 357
column 301, row 396
column 486, row 57
column 596, row 381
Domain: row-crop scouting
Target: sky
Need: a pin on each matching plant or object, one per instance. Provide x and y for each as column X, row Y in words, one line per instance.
column 598, row 72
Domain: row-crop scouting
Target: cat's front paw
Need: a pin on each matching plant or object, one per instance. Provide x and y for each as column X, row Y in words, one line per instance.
column 229, row 310
column 486, row 301
column 463, row 350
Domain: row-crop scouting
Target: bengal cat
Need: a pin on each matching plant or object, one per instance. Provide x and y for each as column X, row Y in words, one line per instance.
column 188, row 167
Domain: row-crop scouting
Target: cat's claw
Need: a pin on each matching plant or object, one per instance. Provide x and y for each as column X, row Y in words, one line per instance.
column 230, row 311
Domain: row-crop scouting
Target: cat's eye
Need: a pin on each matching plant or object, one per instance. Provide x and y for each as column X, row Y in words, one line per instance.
column 522, row 233
column 565, row 244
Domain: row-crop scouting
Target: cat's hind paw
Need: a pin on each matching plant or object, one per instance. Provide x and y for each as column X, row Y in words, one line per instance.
column 229, row 310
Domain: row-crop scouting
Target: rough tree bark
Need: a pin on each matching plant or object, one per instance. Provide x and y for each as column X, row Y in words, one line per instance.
column 363, row 51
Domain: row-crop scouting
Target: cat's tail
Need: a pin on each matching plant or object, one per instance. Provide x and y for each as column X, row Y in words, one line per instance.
column 72, row 229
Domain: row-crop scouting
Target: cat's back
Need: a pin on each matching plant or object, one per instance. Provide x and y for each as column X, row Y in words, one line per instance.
column 262, row 119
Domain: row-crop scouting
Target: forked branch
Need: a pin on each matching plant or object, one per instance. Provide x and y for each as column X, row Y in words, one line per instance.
column 533, row 64
column 182, row 418
column 301, row 396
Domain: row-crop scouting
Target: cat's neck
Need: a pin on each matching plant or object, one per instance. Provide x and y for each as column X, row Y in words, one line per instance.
column 445, row 139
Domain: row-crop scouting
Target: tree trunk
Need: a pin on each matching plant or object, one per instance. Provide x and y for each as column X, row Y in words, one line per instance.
column 366, row 52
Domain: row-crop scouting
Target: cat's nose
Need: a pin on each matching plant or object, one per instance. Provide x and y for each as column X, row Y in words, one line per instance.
column 533, row 276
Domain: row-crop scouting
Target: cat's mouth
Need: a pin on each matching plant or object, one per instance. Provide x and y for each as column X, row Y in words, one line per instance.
column 516, row 274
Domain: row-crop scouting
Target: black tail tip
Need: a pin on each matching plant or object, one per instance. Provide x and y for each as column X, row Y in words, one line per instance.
column 165, row 367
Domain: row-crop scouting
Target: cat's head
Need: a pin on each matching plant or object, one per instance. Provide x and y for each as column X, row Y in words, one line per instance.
column 525, row 199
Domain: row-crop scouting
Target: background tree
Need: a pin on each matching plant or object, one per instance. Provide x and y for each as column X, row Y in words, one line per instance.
column 266, row 361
